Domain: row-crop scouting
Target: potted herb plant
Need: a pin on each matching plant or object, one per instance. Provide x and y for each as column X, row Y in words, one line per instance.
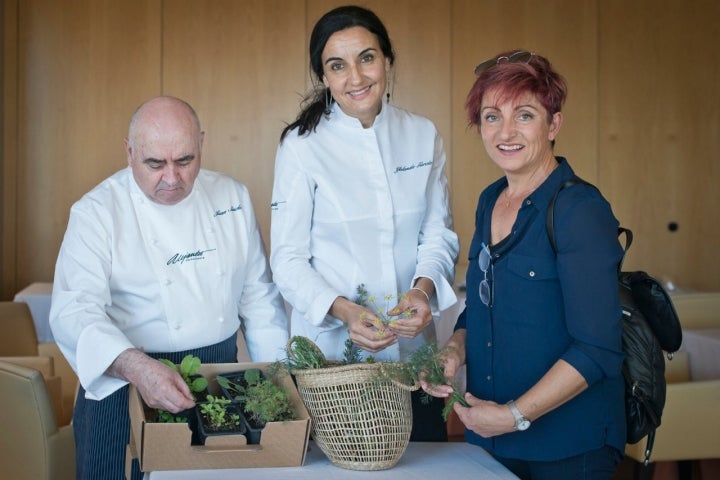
column 218, row 416
column 260, row 399
column 198, row 385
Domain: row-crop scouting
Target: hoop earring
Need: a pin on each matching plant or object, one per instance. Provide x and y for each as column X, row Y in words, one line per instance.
column 328, row 102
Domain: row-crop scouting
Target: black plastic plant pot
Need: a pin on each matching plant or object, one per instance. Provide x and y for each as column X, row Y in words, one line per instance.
column 253, row 430
column 237, row 378
column 205, row 430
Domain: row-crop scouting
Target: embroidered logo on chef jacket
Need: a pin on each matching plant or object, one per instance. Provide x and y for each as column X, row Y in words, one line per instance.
column 274, row 205
column 405, row 168
column 190, row 256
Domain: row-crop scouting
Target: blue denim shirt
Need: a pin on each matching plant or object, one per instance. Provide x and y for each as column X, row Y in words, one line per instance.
column 545, row 308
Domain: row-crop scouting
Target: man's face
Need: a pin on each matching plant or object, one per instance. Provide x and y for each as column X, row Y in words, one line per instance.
column 163, row 151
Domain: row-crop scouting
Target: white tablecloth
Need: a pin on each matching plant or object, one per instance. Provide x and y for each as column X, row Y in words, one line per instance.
column 38, row 296
column 703, row 348
column 452, row 460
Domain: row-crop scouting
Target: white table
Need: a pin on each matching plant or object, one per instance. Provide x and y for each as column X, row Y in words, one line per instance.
column 703, row 348
column 37, row 296
column 452, row 460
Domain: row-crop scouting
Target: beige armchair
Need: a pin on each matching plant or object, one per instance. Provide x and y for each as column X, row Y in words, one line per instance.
column 32, row 447
column 690, row 428
column 19, row 337
column 698, row 310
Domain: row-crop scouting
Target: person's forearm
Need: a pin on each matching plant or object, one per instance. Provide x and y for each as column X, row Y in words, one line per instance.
column 560, row 384
column 426, row 286
column 128, row 365
column 457, row 343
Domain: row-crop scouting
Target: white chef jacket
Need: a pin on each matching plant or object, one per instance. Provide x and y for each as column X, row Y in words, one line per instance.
column 133, row 273
column 354, row 205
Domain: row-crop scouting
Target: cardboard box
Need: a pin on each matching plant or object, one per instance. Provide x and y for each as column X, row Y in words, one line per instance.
column 166, row 446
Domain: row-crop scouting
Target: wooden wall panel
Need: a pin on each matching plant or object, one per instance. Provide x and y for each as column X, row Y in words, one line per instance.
column 641, row 119
column 8, row 145
column 565, row 32
column 659, row 144
column 83, row 67
column 241, row 64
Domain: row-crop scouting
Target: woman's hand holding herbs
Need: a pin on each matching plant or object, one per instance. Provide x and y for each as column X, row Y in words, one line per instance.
column 365, row 329
column 413, row 314
column 440, row 385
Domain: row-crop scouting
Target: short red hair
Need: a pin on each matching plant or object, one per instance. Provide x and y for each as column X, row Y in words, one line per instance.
column 515, row 78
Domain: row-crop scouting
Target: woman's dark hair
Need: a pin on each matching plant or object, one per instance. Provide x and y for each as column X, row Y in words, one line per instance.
column 513, row 78
column 335, row 20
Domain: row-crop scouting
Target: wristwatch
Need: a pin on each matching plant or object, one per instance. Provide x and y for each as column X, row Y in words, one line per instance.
column 521, row 423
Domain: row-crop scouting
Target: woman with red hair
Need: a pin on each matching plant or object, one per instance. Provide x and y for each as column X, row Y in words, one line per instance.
column 541, row 332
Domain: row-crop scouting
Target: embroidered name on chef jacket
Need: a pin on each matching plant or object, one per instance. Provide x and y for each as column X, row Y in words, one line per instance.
column 405, row 168
column 227, row 210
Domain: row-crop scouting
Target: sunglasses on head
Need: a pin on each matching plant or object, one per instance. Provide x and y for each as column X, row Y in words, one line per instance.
column 521, row 56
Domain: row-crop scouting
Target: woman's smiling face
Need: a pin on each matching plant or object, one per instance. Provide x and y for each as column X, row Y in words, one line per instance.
column 515, row 131
column 355, row 71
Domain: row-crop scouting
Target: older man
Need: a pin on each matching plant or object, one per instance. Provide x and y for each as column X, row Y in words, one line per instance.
column 161, row 260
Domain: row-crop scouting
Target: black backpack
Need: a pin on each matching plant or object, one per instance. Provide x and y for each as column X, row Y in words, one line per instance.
column 650, row 325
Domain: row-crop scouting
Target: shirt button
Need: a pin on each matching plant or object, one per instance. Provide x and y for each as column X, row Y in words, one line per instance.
column 489, row 344
column 532, row 274
column 489, row 377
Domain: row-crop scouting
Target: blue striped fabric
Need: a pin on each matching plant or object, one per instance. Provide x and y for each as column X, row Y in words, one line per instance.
column 102, row 428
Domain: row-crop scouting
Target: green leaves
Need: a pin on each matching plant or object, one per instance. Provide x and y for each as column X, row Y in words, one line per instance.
column 188, row 369
column 428, row 363
column 215, row 412
column 304, row 354
column 262, row 400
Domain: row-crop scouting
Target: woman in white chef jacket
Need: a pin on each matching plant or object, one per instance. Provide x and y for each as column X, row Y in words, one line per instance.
column 360, row 197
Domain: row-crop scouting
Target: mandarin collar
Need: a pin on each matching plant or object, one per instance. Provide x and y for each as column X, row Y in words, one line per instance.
column 337, row 115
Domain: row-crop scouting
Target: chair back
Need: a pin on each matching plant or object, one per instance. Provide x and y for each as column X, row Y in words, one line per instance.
column 32, row 446
column 18, row 336
column 698, row 310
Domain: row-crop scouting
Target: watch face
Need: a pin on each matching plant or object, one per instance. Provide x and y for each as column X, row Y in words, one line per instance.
column 523, row 424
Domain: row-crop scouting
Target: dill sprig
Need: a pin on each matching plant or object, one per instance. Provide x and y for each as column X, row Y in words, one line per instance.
column 428, row 363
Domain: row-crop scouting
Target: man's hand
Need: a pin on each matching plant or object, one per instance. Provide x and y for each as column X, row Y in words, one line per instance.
column 159, row 385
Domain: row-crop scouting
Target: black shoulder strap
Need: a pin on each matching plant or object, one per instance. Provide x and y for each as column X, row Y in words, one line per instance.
column 550, row 218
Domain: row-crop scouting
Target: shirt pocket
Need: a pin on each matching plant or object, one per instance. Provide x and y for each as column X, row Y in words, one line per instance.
column 532, row 269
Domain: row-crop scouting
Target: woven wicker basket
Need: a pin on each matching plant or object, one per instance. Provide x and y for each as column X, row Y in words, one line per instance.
column 359, row 421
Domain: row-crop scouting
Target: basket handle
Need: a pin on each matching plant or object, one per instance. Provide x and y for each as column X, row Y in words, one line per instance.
column 314, row 349
column 401, row 385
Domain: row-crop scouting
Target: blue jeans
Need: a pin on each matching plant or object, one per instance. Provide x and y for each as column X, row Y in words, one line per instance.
column 597, row 464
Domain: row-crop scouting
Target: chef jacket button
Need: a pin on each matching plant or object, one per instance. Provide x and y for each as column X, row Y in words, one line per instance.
column 167, row 281
column 221, row 273
column 221, row 319
column 154, row 241
column 532, row 273
column 176, row 326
